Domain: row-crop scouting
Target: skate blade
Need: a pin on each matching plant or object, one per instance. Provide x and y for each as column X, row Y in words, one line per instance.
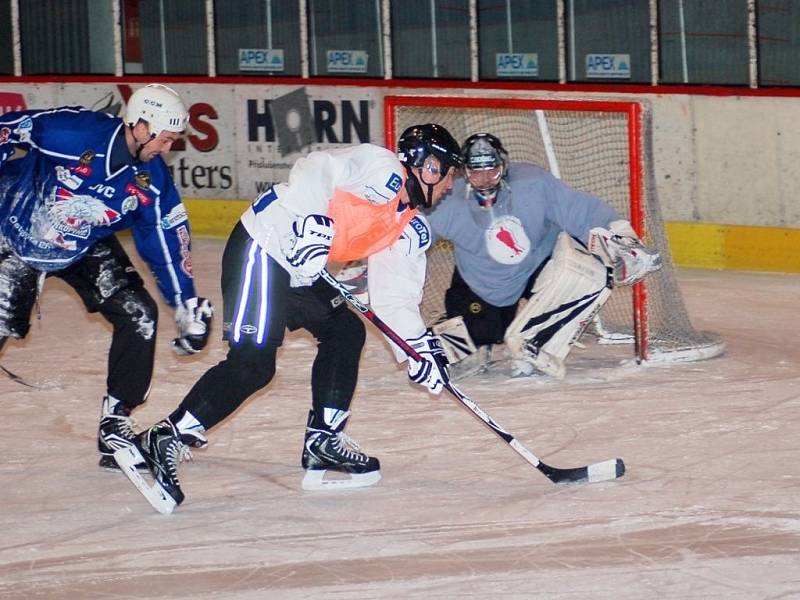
column 109, row 465
column 127, row 459
column 314, row 480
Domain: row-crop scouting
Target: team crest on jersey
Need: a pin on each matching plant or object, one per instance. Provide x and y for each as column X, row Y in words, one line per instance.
column 87, row 157
column 395, row 183
column 507, row 242
column 76, row 214
column 143, row 180
column 5, row 134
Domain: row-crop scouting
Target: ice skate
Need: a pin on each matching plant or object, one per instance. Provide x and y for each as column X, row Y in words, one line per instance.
column 162, row 447
column 329, row 451
column 116, row 431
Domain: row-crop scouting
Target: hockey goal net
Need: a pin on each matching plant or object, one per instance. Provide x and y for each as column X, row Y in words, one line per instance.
column 598, row 146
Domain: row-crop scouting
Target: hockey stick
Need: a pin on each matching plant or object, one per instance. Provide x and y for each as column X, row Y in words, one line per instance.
column 14, row 377
column 602, row 471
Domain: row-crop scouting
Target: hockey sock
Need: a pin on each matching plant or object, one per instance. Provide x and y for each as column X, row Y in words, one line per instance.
column 184, row 421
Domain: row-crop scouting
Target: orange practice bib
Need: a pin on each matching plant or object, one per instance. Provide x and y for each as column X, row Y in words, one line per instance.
column 362, row 229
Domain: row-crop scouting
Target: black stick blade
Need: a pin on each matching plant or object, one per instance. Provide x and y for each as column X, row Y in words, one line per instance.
column 603, row 471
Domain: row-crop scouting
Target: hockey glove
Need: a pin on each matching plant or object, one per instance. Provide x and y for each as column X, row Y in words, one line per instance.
column 193, row 318
column 312, row 244
column 432, row 370
column 619, row 247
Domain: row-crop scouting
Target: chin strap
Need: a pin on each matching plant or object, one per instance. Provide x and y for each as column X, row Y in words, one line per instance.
column 140, row 146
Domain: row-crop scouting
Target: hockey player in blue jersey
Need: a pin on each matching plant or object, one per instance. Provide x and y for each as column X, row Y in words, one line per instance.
column 69, row 179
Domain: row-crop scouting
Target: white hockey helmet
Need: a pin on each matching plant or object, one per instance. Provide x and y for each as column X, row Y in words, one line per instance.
column 160, row 106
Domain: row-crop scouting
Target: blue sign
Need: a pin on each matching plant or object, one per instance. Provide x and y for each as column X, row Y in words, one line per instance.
column 347, row 61
column 517, row 64
column 608, row 66
column 260, row 59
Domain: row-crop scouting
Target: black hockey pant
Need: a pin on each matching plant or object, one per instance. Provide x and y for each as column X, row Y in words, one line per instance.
column 108, row 284
column 258, row 306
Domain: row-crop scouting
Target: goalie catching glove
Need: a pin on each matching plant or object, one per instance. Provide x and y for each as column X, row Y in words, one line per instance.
column 193, row 318
column 312, row 245
column 432, row 370
column 620, row 248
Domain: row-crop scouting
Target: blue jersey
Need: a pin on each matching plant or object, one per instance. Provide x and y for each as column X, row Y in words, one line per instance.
column 68, row 180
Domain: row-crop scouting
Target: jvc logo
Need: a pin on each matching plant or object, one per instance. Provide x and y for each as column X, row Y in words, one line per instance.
column 103, row 190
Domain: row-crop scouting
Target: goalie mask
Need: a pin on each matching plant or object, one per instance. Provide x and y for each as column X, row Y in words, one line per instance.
column 485, row 165
column 427, row 152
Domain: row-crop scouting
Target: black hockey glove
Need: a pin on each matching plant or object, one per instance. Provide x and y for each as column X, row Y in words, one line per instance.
column 432, row 371
column 193, row 318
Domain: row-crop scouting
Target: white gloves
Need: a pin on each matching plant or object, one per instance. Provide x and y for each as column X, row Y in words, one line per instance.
column 313, row 240
column 620, row 247
column 432, row 371
column 193, row 318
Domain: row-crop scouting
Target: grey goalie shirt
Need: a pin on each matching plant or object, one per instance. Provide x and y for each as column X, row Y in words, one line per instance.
column 498, row 248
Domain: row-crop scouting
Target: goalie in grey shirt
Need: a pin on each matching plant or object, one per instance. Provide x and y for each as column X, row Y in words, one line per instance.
column 519, row 232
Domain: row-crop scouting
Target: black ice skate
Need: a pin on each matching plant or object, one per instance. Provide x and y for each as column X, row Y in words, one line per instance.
column 328, row 448
column 162, row 447
column 115, row 432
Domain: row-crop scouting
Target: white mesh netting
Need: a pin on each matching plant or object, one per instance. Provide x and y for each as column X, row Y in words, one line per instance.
column 588, row 149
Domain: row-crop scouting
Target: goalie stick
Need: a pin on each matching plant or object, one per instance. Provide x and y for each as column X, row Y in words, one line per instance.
column 601, row 471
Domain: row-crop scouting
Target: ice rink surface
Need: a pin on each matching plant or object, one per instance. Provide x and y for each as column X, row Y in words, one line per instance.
column 709, row 507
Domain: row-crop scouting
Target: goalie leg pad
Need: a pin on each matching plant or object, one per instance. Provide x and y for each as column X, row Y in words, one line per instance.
column 566, row 296
column 455, row 338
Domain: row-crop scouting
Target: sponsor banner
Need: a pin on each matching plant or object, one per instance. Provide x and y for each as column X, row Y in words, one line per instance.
column 347, row 61
column 278, row 124
column 509, row 64
column 15, row 97
column 202, row 161
column 260, row 59
column 241, row 139
column 608, row 66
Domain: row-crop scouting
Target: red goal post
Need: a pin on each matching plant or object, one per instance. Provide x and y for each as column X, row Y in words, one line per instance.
column 600, row 146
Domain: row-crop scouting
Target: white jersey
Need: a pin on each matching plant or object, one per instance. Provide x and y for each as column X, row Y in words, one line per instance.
column 368, row 172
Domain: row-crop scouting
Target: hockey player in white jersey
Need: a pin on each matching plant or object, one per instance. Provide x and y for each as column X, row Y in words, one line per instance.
column 338, row 205
column 519, row 232
column 69, row 179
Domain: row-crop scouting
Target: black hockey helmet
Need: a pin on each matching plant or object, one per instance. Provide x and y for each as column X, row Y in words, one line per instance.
column 484, row 152
column 415, row 146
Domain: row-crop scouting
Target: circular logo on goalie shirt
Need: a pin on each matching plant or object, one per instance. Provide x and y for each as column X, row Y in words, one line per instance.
column 506, row 241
